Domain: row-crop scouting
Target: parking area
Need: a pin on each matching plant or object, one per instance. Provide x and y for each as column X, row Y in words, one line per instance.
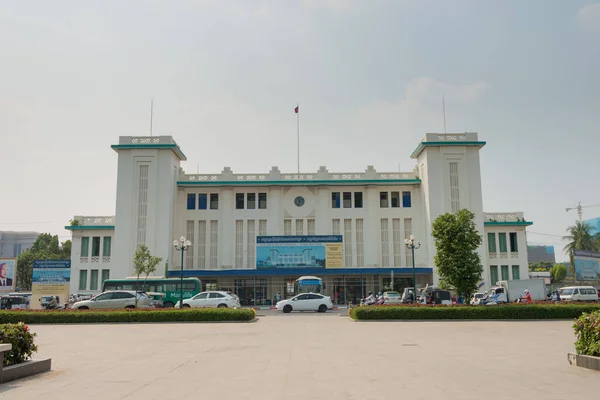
column 308, row 356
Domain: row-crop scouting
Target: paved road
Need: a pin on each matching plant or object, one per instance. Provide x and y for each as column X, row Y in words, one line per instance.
column 309, row 356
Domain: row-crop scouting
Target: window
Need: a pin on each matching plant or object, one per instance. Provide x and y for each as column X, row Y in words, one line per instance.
column 262, row 201
column 502, row 241
column 395, row 199
column 335, row 230
column 201, row 244
column 383, row 200
column 202, row 202
column 504, row 272
column 189, row 253
column 251, row 243
column 454, row 191
column 358, row 199
column 299, row 227
column 251, row 201
column 516, row 272
column 122, row 295
column 239, row 244
column 287, row 227
column 514, row 248
column 493, row 274
column 85, row 246
column 347, row 243
column 396, row 242
column 105, row 275
column 142, row 207
column 360, row 245
column 106, row 242
column 239, row 201
column 96, row 246
column 385, row 247
column 347, row 200
column 214, row 201
column 406, row 200
column 491, row 242
column 201, row 296
column 311, row 227
column 335, row 200
column 94, row 279
column 191, row 201
column 407, row 233
column 214, row 243
column 83, row 279
column 262, row 227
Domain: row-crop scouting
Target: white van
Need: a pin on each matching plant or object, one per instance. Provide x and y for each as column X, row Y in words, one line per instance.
column 578, row 293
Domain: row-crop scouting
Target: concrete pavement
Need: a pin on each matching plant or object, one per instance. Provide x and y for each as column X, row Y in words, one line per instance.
column 308, row 356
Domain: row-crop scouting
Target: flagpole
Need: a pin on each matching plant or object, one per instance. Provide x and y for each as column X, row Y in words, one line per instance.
column 298, row 133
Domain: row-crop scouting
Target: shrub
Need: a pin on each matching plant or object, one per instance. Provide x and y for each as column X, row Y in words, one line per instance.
column 126, row 316
column 587, row 330
column 21, row 338
column 508, row 311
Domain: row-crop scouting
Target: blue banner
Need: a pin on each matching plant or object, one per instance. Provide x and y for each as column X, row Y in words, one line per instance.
column 300, row 239
column 66, row 264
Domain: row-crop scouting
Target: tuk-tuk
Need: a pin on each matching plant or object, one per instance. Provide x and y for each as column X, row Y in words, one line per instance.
column 157, row 299
column 434, row 295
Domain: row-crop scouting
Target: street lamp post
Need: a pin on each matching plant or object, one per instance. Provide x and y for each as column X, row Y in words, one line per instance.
column 181, row 245
column 410, row 243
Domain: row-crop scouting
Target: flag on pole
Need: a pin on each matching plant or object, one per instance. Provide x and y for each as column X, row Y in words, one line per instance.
column 296, row 109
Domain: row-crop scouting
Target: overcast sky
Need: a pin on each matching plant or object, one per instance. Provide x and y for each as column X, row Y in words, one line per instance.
column 369, row 76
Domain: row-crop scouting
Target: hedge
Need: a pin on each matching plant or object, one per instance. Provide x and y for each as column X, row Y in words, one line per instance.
column 122, row 316
column 461, row 312
column 22, row 340
column 587, row 330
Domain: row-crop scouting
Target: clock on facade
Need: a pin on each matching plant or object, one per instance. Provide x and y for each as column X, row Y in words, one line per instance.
column 299, row 201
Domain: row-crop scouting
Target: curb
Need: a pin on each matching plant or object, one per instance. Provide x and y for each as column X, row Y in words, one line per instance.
column 583, row 361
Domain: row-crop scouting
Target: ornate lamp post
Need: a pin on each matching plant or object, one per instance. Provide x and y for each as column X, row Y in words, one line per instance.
column 410, row 244
column 181, row 245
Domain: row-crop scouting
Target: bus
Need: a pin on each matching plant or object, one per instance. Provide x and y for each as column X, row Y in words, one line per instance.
column 170, row 287
column 308, row 284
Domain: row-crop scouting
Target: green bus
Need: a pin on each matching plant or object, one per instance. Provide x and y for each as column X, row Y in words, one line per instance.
column 170, row 287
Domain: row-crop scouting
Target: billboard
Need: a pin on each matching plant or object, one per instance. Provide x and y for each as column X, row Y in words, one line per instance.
column 50, row 278
column 587, row 265
column 299, row 252
column 8, row 274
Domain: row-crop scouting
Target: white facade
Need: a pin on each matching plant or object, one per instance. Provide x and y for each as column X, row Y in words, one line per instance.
column 14, row 243
column 222, row 214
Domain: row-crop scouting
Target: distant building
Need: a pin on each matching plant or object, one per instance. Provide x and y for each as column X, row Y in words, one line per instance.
column 541, row 253
column 14, row 243
column 595, row 224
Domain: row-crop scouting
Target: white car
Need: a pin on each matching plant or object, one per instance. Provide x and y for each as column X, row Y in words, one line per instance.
column 114, row 299
column 211, row 299
column 392, row 298
column 305, row 302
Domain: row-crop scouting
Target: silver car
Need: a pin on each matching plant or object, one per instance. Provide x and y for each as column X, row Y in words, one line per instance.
column 115, row 299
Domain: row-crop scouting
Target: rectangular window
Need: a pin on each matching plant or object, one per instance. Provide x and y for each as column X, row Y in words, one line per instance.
column 94, row 279
column 347, row 243
column 202, row 244
column 96, row 246
column 262, row 201
column 214, row 201
column 239, row 244
column 299, row 227
column 262, row 227
column 105, row 276
column 504, row 272
column 251, row 201
column 360, row 244
column 311, row 227
column 491, row 237
column 251, row 247
column 358, row 199
column 516, row 272
column 383, row 199
column 85, row 246
column 407, row 233
column 406, row 200
column 502, row 242
column 83, row 279
column 335, row 200
column 191, row 201
column 287, row 227
column 395, row 199
column 454, row 191
column 106, row 245
column 239, row 201
column 202, row 201
column 189, row 253
column 214, row 243
column 493, row 274
column 142, row 210
column 347, row 200
column 396, row 242
column 335, row 227
column 514, row 248
column 385, row 246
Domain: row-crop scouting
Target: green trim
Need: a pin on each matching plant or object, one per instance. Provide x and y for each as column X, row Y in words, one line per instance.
column 90, row 227
column 422, row 145
column 301, row 182
column 132, row 146
column 514, row 223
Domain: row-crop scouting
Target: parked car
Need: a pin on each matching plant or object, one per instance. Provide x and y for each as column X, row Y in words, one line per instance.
column 115, row 299
column 305, row 302
column 392, row 297
column 476, row 299
column 211, row 299
column 578, row 293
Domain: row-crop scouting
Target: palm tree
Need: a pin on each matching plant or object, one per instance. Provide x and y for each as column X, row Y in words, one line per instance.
column 580, row 238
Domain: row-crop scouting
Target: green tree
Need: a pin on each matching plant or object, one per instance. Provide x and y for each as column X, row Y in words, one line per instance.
column 45, row 247
column 558, row 273
column 456, row 241
column 540, row 266
column 144, row 263
column 580, row 238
